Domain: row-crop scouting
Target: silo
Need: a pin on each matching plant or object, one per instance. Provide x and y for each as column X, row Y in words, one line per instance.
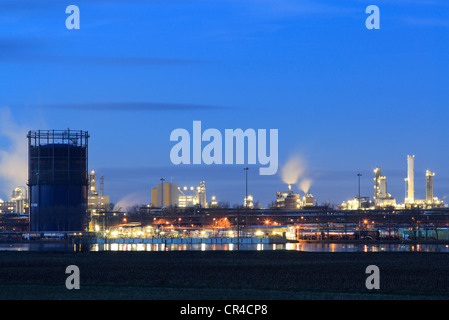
column 58, row 180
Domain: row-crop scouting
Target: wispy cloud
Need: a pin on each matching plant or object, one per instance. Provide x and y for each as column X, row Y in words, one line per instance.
column 426, row 22
column 130, row 106
column 39, row 50
column 11, row 51
column 292, row 8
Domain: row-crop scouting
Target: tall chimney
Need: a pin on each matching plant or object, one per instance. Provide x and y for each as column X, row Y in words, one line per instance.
column 410, row 179
column 429, row 186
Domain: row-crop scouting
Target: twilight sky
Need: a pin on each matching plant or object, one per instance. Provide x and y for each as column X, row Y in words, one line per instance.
column 344, row 98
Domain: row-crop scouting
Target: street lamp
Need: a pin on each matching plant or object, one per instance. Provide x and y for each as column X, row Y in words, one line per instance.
column 246, row 191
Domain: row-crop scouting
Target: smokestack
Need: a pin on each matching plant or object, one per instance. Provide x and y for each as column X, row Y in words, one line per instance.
column 289, row 188
column 410, row 179
column 377, row 175
column 429, row 186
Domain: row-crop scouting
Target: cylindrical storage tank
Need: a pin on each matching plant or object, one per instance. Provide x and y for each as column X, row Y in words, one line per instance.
column 58, row 180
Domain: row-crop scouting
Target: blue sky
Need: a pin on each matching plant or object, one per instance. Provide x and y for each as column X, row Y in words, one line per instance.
column 345, row 98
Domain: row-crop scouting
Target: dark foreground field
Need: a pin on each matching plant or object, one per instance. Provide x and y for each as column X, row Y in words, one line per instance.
column 249, row 275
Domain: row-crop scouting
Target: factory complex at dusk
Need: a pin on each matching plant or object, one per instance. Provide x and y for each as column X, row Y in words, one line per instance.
column 63, row 198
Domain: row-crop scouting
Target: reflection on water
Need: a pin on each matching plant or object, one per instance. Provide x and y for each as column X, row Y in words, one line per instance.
column 301, row 246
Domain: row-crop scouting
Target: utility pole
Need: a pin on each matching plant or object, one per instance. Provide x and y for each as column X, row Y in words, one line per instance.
column 101, row 185
column 246, row 207
column 162, row 193
column 359, row 175
column 246, row 191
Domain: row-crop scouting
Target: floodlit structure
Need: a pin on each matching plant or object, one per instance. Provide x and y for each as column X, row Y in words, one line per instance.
column 213, row 202
column 201, row 192
column 96, row 202
column 248, row 202
column 430, row 201
column 7, row 206
column 288, row 200
column 410, row 180
column 20, row 200
column 57, row 179
column 377, row 175
column 356, row 204
column 191, row 196
column 308, row 200
column 381, row 196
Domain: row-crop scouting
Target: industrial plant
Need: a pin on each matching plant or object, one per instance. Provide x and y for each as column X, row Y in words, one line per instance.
column 383, row 199
column 63, row 197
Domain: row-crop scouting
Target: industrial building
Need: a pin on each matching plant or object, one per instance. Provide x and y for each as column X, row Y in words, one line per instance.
column 213, row 202
column 381, row 197
column 191, row 196
column 356, row 204
column 96, row 202
column 248, row 202
column 7, row 206
column 292, row 201
column 430, row 201
column 18, row 202
column 58, row 180
column 176, row 196
column 288, row 200
column 165, row 194
column 187, row 197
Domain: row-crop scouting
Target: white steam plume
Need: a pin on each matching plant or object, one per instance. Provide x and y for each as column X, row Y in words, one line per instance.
column 13, row 158
column 125, row 203
column 305, row 184
column 293, row 170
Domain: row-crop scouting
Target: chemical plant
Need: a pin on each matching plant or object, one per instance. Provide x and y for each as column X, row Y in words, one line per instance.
column 63, row 198
column 383, row 199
